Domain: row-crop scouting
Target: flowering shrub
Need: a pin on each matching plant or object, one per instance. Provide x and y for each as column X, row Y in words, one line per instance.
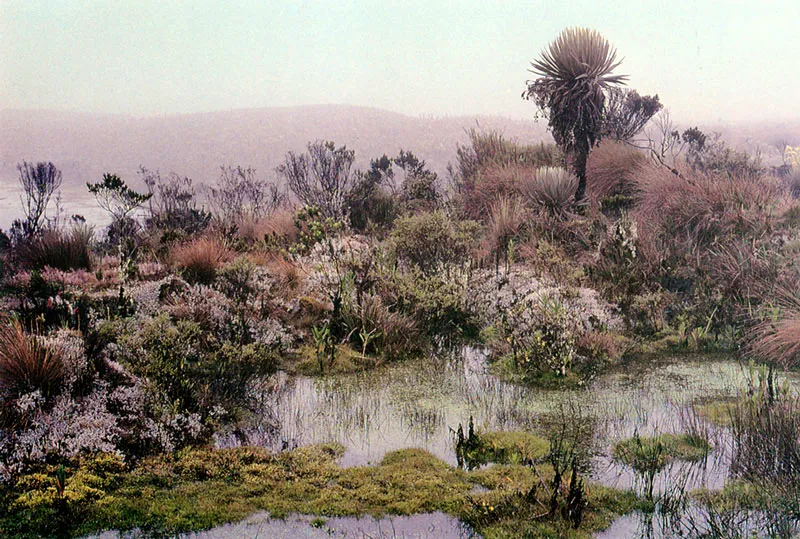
column 39, row 425
column 191, row 371
column 542, row 328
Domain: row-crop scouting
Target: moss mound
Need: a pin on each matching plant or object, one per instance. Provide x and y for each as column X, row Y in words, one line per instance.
column 196, row 489
column 652, row 454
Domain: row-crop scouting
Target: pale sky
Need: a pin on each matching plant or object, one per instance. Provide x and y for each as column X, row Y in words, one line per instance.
column 707, row 60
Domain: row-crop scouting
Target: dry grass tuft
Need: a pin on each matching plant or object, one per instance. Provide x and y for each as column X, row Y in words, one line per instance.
column 199, row 260
column 507, row 217
column 700, row 210
column 25, row 363
column 59, row 249
column 778, row 340
column 611, row 168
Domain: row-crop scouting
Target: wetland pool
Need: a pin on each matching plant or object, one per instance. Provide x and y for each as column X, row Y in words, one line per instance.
column 421, row 403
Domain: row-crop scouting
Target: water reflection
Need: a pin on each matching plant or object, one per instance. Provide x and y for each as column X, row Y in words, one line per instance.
column 421, row 403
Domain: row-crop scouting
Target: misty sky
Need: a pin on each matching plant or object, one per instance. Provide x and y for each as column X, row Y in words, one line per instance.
column 708, row 60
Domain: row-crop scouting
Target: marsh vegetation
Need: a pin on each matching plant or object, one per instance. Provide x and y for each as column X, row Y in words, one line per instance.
column 558, row 340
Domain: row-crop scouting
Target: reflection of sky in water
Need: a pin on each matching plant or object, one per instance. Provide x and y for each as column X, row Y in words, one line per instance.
column 259, row 525
column 423, row 526
column 421, row 403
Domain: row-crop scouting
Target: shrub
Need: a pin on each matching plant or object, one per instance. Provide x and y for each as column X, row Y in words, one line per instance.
column 321, row 177
column 436, row 303
column 372, row 203
column 712, row 155
column 239, row 194
column 39, row 183
column 26, row 364
column 433, row 241
column 59, row 249
column 376, row 210
column 610, row 169
column 551, row 189
column 507, row 217
column 540, row 331
column 194, row 373
column 777, row 340
column 173, row 207
column 199, row 260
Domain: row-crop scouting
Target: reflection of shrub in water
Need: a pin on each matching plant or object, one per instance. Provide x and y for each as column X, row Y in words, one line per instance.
column 649, row 455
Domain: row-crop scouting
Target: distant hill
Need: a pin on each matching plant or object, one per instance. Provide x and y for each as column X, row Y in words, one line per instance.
column 84, row 146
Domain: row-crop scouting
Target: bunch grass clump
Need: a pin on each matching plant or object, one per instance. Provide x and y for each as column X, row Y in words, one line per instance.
column 199, row 260
column 26, row 364
column 610, row 170
column 778, row 338
column 507, row 218
column 59, row 249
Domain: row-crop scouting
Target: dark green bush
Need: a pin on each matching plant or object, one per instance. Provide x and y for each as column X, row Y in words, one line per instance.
column 434, row 241
column 187, row 365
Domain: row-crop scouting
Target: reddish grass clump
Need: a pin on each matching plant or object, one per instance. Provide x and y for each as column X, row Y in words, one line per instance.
column 25, row 363
column 507, row 217
column 700, row 210
column 496, row 181
column 277, row 230
column 778, row 340
column 610, row 170
column 199, row 260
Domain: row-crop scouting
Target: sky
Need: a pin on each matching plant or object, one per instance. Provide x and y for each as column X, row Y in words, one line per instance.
column 707, row 60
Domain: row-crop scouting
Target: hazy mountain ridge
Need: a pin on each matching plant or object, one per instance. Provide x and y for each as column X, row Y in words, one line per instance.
column 196, row 145
column 85, row 145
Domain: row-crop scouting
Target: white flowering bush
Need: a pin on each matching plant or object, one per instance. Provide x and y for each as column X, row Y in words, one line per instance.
column 539, row 325
column 74, row 420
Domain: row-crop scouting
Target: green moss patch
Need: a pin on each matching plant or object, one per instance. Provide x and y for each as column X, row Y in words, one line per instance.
column 199, row 488
column 651, row 454
column 501, row 447
column 718, row 412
